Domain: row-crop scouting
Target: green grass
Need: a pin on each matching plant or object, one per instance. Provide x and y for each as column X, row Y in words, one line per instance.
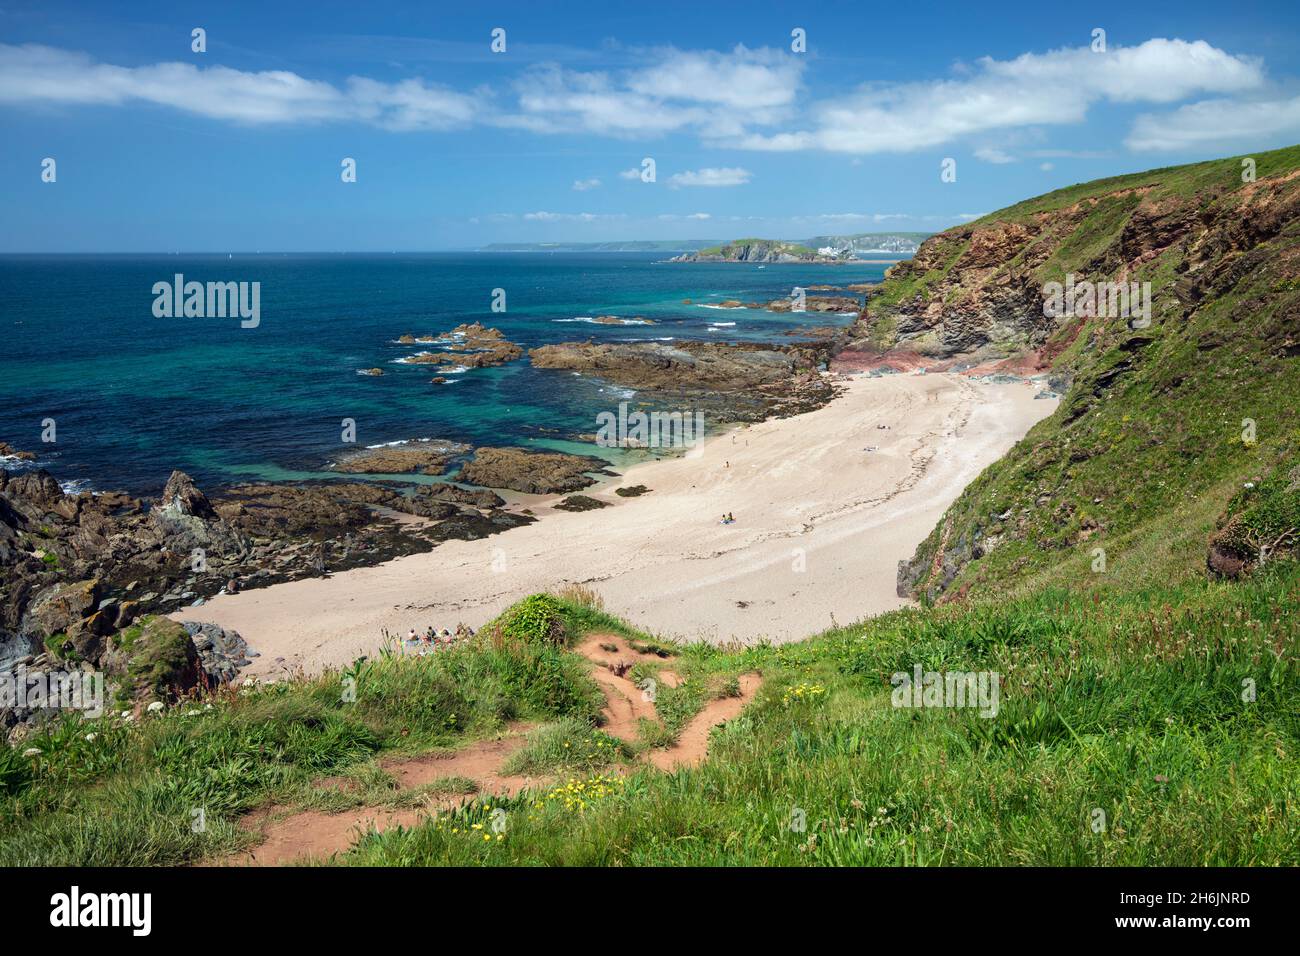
column 1167, row 713
column 568, row 745
column 116, row 792
column 1168, row 709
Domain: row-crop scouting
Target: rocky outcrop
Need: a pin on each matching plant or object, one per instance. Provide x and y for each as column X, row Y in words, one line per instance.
column 60, row 607
column 425, row 456
column 221, row 652
column 532, row 472
column 471, row 345
column 838, row 304
column 155, row 660
column 580, row 503
column 184, row 522
column 671, row 365
column 480, row 498
column 8, row 451
column 967, row 290
column 729, row 382
column 84, row 566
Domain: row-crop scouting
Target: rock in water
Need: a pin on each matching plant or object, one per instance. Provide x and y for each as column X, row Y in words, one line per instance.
column 532, row 472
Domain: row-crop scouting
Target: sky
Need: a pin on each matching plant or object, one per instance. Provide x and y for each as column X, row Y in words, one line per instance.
column 781, row 120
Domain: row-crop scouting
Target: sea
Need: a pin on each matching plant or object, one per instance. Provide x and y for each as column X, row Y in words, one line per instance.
column 127, row 396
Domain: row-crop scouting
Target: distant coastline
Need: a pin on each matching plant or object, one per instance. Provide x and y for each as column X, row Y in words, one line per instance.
column 828, row 248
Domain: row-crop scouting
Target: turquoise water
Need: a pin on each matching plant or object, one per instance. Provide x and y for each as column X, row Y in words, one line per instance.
column 133, row 396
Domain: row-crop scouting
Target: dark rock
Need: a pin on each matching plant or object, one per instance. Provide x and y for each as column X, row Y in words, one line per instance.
column 580, row 503
column 426, row 457
column 532, row 472
column 181, row 498
column 221, row 652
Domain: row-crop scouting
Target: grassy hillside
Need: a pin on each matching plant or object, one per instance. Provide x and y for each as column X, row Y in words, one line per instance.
column 1160, row 426
column 1157, row 727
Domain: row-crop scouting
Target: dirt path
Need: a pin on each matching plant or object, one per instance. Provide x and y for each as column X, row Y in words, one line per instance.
column 317, row 834
column 693, row 743
column 626, row 704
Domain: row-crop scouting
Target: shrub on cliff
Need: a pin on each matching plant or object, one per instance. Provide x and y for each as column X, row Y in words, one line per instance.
column 1260, row 524
column 537, row 619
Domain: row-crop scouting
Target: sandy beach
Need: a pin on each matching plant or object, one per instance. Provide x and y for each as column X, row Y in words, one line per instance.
column 821, row 524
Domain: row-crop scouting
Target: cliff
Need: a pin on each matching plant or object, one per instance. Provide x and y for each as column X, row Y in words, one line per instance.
column 1168, row 413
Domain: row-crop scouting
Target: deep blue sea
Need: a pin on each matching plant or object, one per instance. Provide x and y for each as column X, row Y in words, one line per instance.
column 134, row 396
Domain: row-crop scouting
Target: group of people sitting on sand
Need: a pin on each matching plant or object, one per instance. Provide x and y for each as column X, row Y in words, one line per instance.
column 432, row 639
column 727, row 519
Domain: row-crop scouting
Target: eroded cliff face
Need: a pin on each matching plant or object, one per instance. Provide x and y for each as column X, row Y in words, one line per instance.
column 979, row 289
column 1154, row 402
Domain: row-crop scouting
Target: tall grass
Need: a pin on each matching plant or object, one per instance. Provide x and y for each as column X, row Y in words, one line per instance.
column 1153, row 727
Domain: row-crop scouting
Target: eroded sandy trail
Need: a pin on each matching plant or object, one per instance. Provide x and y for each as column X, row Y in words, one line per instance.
column 317, row 834
column 826, row 504
column 313, row 835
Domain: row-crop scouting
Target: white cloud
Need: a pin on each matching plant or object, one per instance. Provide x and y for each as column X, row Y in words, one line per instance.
column 582, row 185
column 741, row 98
column 1050, row 88
column 705, row 91
column 710, row 176
column 673, row 217
column 992, row 155
column 40, row 73
column 544, row 216
column 630, row 174
column 1047, row 167
column 1212, row 122
column 740, row 80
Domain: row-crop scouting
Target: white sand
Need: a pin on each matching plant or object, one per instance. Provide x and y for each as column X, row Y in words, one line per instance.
column 821, row 525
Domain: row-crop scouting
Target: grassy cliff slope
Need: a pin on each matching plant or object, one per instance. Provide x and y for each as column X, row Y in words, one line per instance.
column 1162, row 424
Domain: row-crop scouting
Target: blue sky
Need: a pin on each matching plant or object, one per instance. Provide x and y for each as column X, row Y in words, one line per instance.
column 159, row 148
